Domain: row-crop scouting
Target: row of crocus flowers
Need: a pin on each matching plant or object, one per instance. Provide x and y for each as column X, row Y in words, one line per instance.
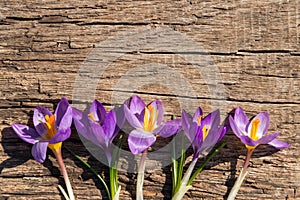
column 102, row 127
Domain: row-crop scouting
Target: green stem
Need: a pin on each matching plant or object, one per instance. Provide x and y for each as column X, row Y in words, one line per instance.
column 174, row 168
column 181, row 166
column 92, row 170
column 64, row 173
column 112, row 182
column 183, row 187
column 241, row 177
column 205, row 163
column 140, row 177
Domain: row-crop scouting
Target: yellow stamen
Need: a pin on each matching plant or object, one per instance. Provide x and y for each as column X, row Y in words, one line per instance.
column 91, row 115
column 205, row 132
column 150, row 118
column 50, row 126
column 199, row 118
column 254, row 128
column 51, row 131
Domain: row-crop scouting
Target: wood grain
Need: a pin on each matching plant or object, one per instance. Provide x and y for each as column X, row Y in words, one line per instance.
column 213, row 54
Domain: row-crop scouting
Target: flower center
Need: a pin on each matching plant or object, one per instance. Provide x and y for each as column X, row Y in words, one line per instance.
column 254, row 128
column 150, row 118
column 50, row 126
column 51, row 131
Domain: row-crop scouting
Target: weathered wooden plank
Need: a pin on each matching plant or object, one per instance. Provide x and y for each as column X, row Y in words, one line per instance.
column 253, row 62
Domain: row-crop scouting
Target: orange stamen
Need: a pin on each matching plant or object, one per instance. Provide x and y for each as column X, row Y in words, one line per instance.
column 254, row 128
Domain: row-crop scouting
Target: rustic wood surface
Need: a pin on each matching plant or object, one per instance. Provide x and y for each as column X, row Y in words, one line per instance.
column 254, row 53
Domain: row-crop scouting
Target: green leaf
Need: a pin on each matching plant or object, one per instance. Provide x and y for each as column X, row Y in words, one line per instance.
column 205, row 163
column 92, row 170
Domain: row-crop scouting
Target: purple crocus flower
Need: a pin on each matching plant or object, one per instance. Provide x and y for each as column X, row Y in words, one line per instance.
column 98, row 126
column 50, row 129
column 252, row 132
column 203, row 133
column 147, row 121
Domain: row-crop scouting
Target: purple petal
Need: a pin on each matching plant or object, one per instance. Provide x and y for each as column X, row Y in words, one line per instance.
column 170, row 128
column 264, row 123
column 120, row 115
column 197, row 143
column 63, row 108
column 39, row 151
column 268, row 138
column 210, row 140
column 185, row 121
column 82, row 124
column 241, row 119
column 223, row 131
column 197, row 114
column 235, row 128
column 66, row 120
column 131, row 118
column 98, row 111
column 139, row 141
column 248, row 141
column 39, row 114
column 192, row 132
column 60, row 136
column 25, row 133
column 212, row 120
column 136, row 104
column 279, row 144
column 97, row 132
column 159, row 109
column 109, row 125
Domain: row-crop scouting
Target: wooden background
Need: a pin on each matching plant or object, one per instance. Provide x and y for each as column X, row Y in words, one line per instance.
column 254, row 54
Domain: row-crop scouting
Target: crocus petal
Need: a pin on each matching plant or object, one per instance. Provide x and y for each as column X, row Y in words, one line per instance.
column 66, row 120
column 120, row 116
column 264, row 123
column 39, row 151
column 170, row 128
column 131, row 118
column 212, row 120
column 98, row 111
column 101, row 139
column 136, row 104
column 248, row 141
column 192, row 132
column 185, row 121
column 60, row 136
column 61, row 109
column 223, row 131
column 235, row 128
column 159, row 109
column 279, row 144
column 109, row 125
column 139, row 141
column 39, row 114
column 82, row 124
column 197, row 143
column 197, row 114
column 210, row 140
column 268, row 138
column 240, row 119
column 25, row 133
